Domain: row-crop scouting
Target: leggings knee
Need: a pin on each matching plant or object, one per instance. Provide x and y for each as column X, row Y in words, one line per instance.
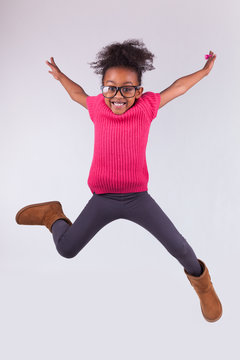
column 66, row 251
column 182, row 251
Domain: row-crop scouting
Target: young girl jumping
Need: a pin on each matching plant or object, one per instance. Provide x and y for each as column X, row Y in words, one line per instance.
column 118, row 177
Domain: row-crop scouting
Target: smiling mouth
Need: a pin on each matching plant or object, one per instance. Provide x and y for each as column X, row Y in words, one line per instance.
column 118, row 104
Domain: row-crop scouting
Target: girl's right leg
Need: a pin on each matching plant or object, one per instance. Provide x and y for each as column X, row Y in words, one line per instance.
column 70, row 239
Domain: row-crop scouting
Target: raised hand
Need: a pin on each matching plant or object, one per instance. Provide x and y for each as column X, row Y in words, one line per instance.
column 209, row 64
column 55, row 70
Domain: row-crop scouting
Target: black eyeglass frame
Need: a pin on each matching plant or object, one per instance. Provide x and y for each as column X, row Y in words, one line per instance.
column 120, row 88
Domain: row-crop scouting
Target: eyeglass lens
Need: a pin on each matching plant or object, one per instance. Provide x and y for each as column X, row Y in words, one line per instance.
column 110, row 91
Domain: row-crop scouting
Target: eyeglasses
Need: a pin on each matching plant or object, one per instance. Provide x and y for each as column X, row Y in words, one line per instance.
column 126, row 91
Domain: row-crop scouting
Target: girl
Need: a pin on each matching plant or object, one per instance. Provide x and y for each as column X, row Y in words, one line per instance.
column 118, row 178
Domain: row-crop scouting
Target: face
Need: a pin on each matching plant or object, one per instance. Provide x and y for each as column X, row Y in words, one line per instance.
column 120, row 76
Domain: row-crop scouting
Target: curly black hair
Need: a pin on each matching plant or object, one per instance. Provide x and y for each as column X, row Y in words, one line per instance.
column 131, row 54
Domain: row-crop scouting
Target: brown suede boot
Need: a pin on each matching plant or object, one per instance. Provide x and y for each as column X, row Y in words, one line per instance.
column 41, row 214
column 210, row 304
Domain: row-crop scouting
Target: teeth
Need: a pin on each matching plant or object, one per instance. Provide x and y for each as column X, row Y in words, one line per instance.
column 118, row 104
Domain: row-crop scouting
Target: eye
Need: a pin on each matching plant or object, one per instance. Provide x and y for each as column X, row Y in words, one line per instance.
column 127, row 89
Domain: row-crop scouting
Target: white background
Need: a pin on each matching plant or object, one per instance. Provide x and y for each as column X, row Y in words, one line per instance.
column 123, row 296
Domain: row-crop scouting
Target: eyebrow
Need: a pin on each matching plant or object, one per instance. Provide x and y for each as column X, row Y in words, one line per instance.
column 127, row 82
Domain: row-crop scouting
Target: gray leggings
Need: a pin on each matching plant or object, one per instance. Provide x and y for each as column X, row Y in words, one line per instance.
column 138, row 207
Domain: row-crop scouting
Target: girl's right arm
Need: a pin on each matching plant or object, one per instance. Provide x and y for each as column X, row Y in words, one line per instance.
column 75, row 91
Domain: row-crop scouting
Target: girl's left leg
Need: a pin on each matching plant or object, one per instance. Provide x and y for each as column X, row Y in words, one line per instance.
column 144, row 210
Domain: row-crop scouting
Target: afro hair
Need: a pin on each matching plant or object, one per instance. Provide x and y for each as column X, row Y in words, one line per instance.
column 130, row 53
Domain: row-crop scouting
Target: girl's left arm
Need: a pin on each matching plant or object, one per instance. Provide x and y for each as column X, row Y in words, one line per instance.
column 188, row 81
column 183, row 84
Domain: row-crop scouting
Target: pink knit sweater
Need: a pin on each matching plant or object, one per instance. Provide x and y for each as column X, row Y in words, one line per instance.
column 119, row 160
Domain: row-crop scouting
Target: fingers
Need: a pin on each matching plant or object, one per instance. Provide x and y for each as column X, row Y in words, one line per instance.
column 211, row 55
column 48, row 63
column 51, row 63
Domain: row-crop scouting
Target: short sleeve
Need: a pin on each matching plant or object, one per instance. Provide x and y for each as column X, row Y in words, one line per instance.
column 151, row 102
column 92, row 104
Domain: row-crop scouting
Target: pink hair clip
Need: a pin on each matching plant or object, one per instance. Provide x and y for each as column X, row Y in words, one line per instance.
column 208, row 56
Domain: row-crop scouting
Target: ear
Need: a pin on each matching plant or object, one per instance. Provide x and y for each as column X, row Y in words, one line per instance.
column 139, row 92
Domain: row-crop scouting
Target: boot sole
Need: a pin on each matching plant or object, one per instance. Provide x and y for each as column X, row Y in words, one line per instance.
column 34, row 205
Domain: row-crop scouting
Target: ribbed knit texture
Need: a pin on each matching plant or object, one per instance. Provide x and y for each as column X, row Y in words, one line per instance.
column 119, row 159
